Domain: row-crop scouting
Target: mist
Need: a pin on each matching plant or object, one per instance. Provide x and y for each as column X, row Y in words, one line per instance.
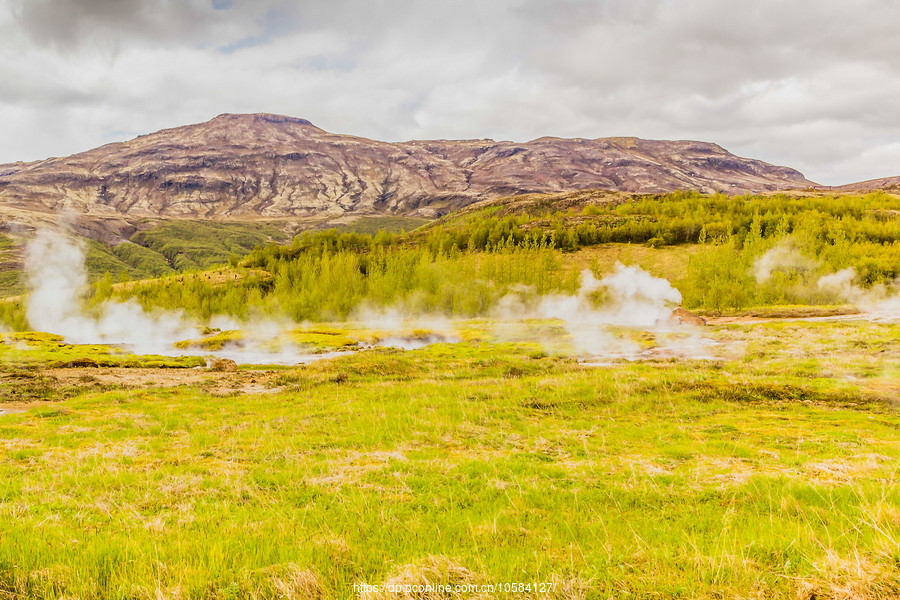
column 57, row 279
column 879, row 301
column 600, row 318
column 882, row 301
column 58, row 284
column 399, row 328
column 784, row 256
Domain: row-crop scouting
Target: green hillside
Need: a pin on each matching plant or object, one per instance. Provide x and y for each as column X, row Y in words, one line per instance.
column 160, row 248
column 708, row 246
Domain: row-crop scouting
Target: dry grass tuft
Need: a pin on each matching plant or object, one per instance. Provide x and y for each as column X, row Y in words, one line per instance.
column 851, row 578
column 292, row 582
column 160, row 592
column 407, row 581
column 565, row 589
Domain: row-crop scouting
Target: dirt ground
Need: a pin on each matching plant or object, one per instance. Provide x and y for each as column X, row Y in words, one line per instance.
column 20, row 391
column 218, row 383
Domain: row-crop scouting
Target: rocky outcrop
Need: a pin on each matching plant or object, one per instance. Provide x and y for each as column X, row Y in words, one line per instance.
column 277, row 166
column 682, row 316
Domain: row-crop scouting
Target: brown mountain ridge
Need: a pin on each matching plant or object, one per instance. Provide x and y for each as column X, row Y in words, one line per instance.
column 273, row 166
column 886, row 184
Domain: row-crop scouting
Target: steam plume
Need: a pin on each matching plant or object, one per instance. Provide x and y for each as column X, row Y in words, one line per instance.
column 882, row 300
column 632, row 298
column 400, row 329
column 781, row 257
column 58, row 280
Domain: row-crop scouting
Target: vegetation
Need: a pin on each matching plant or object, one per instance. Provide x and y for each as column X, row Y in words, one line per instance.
column 28, row 350
column 770, row 470
column 677, row 218
column 374, row 225
column 756, row 475
column 9, row 273
column 187, row 245
column 163, row 248
column 707, row 246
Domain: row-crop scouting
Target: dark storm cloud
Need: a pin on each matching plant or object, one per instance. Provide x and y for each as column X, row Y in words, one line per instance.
column 810, row 83
column 69, row 23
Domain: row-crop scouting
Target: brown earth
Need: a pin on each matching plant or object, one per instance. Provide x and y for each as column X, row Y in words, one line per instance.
column 263, row 165
column 68, row 381
column 682, row 316
column 215, row 383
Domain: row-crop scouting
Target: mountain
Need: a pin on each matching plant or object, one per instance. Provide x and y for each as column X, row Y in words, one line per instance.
column 10, row 168
column 887, row 184
column 272, row 166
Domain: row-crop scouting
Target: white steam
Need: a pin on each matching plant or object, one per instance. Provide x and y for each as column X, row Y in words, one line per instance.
column 881, row 300
column 782, row 257
column 634, row 298
column 608, row 318
column 630, row 299
column 399, row 329
column 841, row 285
column 58, row 280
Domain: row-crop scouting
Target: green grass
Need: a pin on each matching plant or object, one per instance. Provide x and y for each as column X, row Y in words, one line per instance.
column 788, row 311
column 10, row 283
column 167, row 247
column 36, row 349
column 372, row 225
column 202, row 244
column 10, row 262
column 770, row 473
column 144, row 260
column 100, row 258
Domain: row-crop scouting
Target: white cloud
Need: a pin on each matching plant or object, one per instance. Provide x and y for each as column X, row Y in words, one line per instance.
column 811, row 83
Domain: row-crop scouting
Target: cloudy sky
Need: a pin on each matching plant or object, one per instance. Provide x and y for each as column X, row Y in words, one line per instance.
column 813, row 84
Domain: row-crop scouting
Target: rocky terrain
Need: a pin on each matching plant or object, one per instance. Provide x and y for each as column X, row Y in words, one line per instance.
column 271, row 166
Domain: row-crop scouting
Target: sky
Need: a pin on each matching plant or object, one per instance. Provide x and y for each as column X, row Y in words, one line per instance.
column 811, row 84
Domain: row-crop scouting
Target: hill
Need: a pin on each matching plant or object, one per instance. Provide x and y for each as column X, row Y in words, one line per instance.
column 273, row 166
column 887, row 184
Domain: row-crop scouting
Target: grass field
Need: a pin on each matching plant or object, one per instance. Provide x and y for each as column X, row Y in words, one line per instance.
column 770, row 472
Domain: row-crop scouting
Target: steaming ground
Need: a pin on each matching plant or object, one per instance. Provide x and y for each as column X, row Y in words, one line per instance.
column 878, row 303
column 604, row 320
column 55, row 266
column 627, row 315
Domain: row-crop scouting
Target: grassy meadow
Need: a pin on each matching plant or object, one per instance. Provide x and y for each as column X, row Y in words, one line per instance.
column 756, row 457
column 769, row 472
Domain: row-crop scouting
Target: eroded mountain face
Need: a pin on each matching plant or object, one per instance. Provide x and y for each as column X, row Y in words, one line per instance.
column 276, row 166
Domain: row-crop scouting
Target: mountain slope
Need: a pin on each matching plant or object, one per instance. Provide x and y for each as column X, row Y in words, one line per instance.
column 276, row 166
column 888, row 184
